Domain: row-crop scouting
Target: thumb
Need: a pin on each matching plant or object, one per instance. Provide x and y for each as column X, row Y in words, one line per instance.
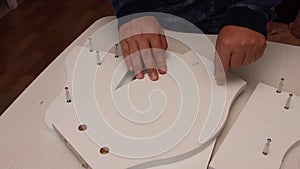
column 220, row 69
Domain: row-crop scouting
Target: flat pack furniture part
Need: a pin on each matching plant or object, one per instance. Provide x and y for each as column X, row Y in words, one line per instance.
column 266, row 130
column 62, row 116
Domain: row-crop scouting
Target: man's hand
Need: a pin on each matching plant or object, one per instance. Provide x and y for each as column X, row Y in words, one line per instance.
column 143, row 43
column 236, row 47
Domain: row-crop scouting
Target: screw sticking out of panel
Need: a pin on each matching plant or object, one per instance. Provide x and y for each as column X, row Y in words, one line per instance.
column 98, row 58
column 280, row 85
column 116, row 51
column 90, row 45
column 267, row 147
column 68, row 96
column 288, row 102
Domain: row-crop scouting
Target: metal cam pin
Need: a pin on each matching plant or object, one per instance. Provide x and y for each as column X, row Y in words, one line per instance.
column 116, row 51
column 98, row 58
column 267, row 147
column 288, row 102
column 280, row 85
column 90, row 45
column 68, row 96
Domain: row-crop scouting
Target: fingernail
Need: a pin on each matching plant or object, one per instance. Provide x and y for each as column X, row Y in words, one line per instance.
column 220, row 81
column 153, row 76
column 139, row 75
column 162, row 70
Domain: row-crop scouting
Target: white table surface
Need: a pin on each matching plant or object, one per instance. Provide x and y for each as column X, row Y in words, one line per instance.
column 26, row 142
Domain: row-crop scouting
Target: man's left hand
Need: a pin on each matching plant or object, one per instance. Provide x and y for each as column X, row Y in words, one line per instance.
column 237, row 46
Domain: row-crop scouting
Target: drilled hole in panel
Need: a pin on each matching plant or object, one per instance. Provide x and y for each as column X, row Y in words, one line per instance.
column 104, row 150
column 82, row 127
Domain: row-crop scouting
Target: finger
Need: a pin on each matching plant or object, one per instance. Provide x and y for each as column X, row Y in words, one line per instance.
column 147, row 58
column 159, row 53
column 237, row 59
column 260, row 52
column 135, row 58
column 219, row 70
column 249, row 58
column 162, row 65
column 152, row 72
column 164, row 42
column 125, row 51
column 253, row 59
column 221, row 63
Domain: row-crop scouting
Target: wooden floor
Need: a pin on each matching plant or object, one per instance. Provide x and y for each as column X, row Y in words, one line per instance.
column 35, row 33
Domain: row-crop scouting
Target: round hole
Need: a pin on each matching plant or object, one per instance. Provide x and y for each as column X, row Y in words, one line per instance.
column 269, row 140
column 104, row 150
column 82, row 127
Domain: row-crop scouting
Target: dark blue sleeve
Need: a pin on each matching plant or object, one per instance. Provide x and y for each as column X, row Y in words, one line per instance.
column 127, row 7
column 124, row 9
column 252, row 14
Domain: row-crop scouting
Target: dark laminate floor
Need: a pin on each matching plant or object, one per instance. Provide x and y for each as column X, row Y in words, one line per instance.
column 35, row 33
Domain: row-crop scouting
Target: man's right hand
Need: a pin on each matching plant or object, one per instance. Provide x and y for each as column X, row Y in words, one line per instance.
column 144, row 43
